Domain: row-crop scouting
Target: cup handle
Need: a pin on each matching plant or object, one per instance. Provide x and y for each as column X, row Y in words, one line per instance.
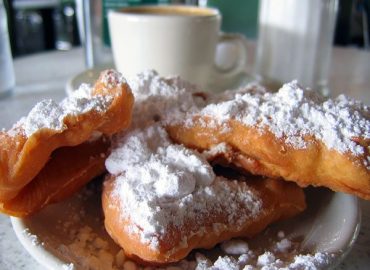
column 231, row 61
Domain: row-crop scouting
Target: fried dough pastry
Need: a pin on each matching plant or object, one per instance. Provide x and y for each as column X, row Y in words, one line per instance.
column 82, row 120
column 292, row 134
column 68, row 170
column 162, row 200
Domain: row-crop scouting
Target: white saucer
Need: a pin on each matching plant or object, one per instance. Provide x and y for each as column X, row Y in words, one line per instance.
column 330, row 224
column 89, row 76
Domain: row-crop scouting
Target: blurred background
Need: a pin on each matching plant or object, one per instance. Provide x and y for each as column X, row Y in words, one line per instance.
column 42, row 25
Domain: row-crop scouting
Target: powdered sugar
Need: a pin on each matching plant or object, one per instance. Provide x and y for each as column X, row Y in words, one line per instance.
column 235, row 247
column 91, row 250
column 283, row 245
column 82, row 101
column 81, row 241
column 48, row 114
column 266, row 258
column 33, row 238
column 69, row 266
column 216, row 150
column 252, row 259
column 165, row 99
column 154, row 173
column 111, row 78
column 317, row 261
column 294, row 112
column 161, row 184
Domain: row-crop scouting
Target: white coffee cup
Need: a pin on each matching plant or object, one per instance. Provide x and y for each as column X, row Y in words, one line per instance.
column 174, row 40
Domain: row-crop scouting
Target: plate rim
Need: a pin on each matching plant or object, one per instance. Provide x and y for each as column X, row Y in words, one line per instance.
column 51, row 261
column 37, row 250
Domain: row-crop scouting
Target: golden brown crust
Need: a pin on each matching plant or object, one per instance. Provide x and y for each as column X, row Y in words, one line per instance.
column 22, row 158
column 280, row 200
column 68, row 170
column 262, row 153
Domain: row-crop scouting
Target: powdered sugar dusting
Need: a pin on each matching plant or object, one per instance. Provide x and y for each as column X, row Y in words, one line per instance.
column 89, row 249
column 48, row 114
column 69, row 266
column 111, row 78
column 238, row 256
column 169, row 175
column 235, row 247
column 166, row 185
column 32, row 238
column 294, row 112
column 92, row 251
column 82, row 101
column 165, row 99
column 160, row 184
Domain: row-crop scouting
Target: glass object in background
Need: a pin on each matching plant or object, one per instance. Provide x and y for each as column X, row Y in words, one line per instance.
column 96, row 53
column 295, row 42
column 238, row 16
column 92, row 16
column 64, row 18
column 7, row 78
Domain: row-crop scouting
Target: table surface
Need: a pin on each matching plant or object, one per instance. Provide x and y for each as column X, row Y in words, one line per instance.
column 45, row 75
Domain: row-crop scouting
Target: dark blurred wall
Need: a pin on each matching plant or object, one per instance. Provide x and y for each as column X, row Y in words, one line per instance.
column 36, row 27
column 353, row 23
column 54, row 27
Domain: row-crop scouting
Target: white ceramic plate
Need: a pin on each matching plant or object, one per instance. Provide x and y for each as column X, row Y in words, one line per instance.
column 330, row 224
column 68, row 233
